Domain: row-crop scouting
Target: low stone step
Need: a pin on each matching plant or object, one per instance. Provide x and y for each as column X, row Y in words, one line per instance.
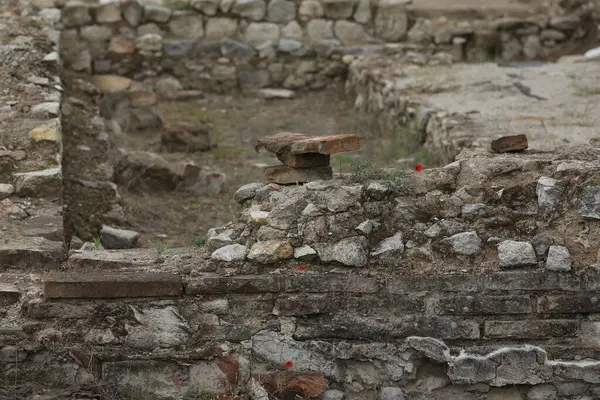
column 27, row 252
column 111, row 285
column 131, row 260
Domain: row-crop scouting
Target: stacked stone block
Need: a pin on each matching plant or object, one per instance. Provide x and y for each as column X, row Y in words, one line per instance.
column 304, row 158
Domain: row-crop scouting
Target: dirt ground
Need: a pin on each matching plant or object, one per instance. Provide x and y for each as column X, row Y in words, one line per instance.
column 178, row 219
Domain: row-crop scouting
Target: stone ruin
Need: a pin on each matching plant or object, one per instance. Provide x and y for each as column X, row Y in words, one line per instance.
column 478, row 279
column 304, row 158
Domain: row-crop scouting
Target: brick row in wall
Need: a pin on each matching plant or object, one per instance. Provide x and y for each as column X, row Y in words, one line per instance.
column 534, row 305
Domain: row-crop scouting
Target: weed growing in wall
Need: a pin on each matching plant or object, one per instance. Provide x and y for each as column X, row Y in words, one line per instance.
column 363, row 171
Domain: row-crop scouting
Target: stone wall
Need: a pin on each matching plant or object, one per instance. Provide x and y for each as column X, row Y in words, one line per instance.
column 336, row 290
column 249, row 44
column 31, row 225
column 478, row 280
column 310, row 332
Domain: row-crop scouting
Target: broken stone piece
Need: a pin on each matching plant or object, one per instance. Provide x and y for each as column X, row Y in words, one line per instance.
column 6, row 189
column 230, row 253
column 44, row 183
column 115, row 238
column 351, row 252
column 508, row 144
column 516, row 254
column 10, row 209
column 285, row 175
column 559, row 259
column 276, row 93
column 247, row 192
column 305, row 253
column 183, row 95
column 430, row 347
column 111, row 83
column 304, row 160
column 257, row 391
column 46, row 132
column 271, row 251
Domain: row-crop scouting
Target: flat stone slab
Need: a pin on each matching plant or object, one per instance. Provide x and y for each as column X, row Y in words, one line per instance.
column 327, row 144
column 299, row 143
column 285, row 175
column 109, row 285
column 276, row 93
column 130, row 258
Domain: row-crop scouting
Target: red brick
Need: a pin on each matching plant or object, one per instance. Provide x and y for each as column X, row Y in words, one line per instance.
column 284, row 385
column 304, row 160
column 109, row 285
column 230, row 368
column 509, row 143
column 327, row 144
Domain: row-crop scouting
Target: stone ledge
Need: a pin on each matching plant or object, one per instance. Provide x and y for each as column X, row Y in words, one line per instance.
column 110, row 285
column 108, row 259
column 355, row 327
column 569, row 304
column 533, row 329
column 308, row 283
column 513, row 304
column 323, row 282
column 31, row 252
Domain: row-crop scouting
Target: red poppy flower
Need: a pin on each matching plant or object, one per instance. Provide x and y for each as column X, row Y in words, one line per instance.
column 418, row 167
column 302, row 267
column 288, row 364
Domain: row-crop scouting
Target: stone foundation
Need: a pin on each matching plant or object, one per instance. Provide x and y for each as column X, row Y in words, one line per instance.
column 477, row 280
